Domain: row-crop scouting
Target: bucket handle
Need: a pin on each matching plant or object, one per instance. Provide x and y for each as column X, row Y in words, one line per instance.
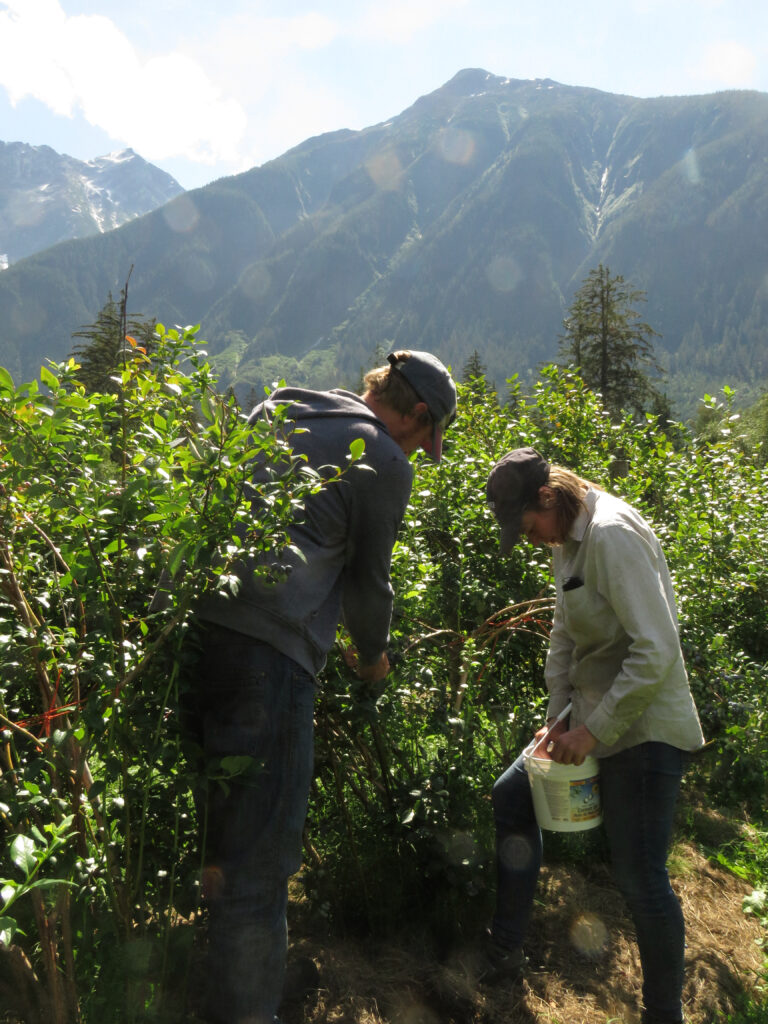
column 563, row 714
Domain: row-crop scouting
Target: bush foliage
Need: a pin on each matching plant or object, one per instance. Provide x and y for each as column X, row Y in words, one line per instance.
column 102, row 492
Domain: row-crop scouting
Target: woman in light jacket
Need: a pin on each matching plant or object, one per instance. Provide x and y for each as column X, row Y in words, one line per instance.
column 615, row 655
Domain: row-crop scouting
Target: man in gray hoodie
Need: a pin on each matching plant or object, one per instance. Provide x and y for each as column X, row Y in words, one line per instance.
column 262, row 649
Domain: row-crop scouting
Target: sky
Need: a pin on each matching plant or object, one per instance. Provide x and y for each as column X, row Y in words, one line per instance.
column 207, row 88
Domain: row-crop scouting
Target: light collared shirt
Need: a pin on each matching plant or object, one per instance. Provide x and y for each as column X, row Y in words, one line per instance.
column 615, row 646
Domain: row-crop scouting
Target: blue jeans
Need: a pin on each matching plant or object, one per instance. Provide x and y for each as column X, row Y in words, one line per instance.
column 250, row 702
column 639, row 789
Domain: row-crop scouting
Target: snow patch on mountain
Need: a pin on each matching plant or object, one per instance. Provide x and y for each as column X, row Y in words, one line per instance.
column 48, row 197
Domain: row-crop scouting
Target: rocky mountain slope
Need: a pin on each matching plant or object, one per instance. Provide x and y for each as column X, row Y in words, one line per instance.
column 465, row 223
column 47, row 197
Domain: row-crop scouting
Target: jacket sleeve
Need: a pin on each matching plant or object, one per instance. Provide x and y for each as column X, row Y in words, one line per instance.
column 380, row 498
column 557, row 664
column 630, row 574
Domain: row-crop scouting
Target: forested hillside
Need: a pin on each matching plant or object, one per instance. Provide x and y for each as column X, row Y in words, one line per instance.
column 464, row 224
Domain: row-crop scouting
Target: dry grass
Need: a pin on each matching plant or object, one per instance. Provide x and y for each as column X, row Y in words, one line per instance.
column 584, row 961
column 584, row 965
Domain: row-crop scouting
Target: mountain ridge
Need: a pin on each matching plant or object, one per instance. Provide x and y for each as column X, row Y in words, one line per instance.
column 464, row 223
column 48, row 197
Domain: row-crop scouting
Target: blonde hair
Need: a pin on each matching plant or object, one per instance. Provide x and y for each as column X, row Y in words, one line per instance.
column 569, row 489
column 392, row 389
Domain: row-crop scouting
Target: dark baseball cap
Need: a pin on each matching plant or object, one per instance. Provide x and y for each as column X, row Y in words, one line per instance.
column 433, row 386
column 513, row 486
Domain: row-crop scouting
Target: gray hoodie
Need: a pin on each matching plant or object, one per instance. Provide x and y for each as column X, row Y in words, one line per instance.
column 346, row 533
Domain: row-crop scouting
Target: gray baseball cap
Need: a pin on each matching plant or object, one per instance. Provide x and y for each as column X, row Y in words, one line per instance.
column 433, row 386
column 513, row 486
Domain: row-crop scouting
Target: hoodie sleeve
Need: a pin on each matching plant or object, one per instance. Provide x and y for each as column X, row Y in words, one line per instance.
column 381, row 496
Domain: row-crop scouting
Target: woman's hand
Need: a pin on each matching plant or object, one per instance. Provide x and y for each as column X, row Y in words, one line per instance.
column 573, row 746
column 543, row 749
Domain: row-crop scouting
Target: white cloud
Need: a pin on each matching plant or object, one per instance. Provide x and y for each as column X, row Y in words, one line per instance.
column 270, row 37
column 236, row 88
column 161, row 106
column 400, row 20
column 27, row 29
column 296, row 111
column 253, row 53
column 266, row 60
column 729, row 64
column 310, row 31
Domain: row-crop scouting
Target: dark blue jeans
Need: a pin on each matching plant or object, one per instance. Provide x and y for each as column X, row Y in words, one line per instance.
column 250, row 703
column 639, row 789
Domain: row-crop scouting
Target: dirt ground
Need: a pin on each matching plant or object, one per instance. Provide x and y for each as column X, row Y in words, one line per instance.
column 584, row 966
column 583, row 960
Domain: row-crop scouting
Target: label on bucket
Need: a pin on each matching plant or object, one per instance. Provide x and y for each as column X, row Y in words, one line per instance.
column 573, row 800
column 566, row 798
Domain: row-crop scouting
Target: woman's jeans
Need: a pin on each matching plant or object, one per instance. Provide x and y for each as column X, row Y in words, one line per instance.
column 639, row 789
column 250, row 715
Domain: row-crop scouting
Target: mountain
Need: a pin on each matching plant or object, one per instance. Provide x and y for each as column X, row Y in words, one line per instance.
column 465, row 223
column 46, row 197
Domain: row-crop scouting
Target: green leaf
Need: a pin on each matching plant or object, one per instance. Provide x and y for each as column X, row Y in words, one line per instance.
column 23, row 854
column 357, row 449
column 8, row 929
column 177, row 557
column 236, row 764
column 6, row 381
column 48, row 378
column 205, row 405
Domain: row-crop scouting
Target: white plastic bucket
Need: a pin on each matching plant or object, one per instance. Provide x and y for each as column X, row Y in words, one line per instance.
column 566, row 797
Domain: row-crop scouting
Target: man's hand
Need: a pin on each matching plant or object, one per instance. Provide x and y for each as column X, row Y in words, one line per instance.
column 373, row 673
column 573, row 746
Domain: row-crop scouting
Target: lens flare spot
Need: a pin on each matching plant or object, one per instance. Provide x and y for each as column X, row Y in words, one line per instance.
column 26, row 211
column 461, row 848
column 181, row 214
column 255, row 282
column 457, row 145
column 212, row 882
column 504, row 273
column 385, row 170
column 28, row 319
column 589, row 935
column 515, row 853
column 413, row 1012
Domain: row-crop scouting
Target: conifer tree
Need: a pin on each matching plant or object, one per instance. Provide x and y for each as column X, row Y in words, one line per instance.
column 609, row 345
column 474, row 369
column 252, row 399
column 106, row 343
column 474, row 375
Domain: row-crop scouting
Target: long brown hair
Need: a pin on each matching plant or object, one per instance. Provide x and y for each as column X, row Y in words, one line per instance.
column 569, row 489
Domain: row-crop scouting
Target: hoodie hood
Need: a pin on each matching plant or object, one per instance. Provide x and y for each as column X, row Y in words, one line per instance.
column 308, row 405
